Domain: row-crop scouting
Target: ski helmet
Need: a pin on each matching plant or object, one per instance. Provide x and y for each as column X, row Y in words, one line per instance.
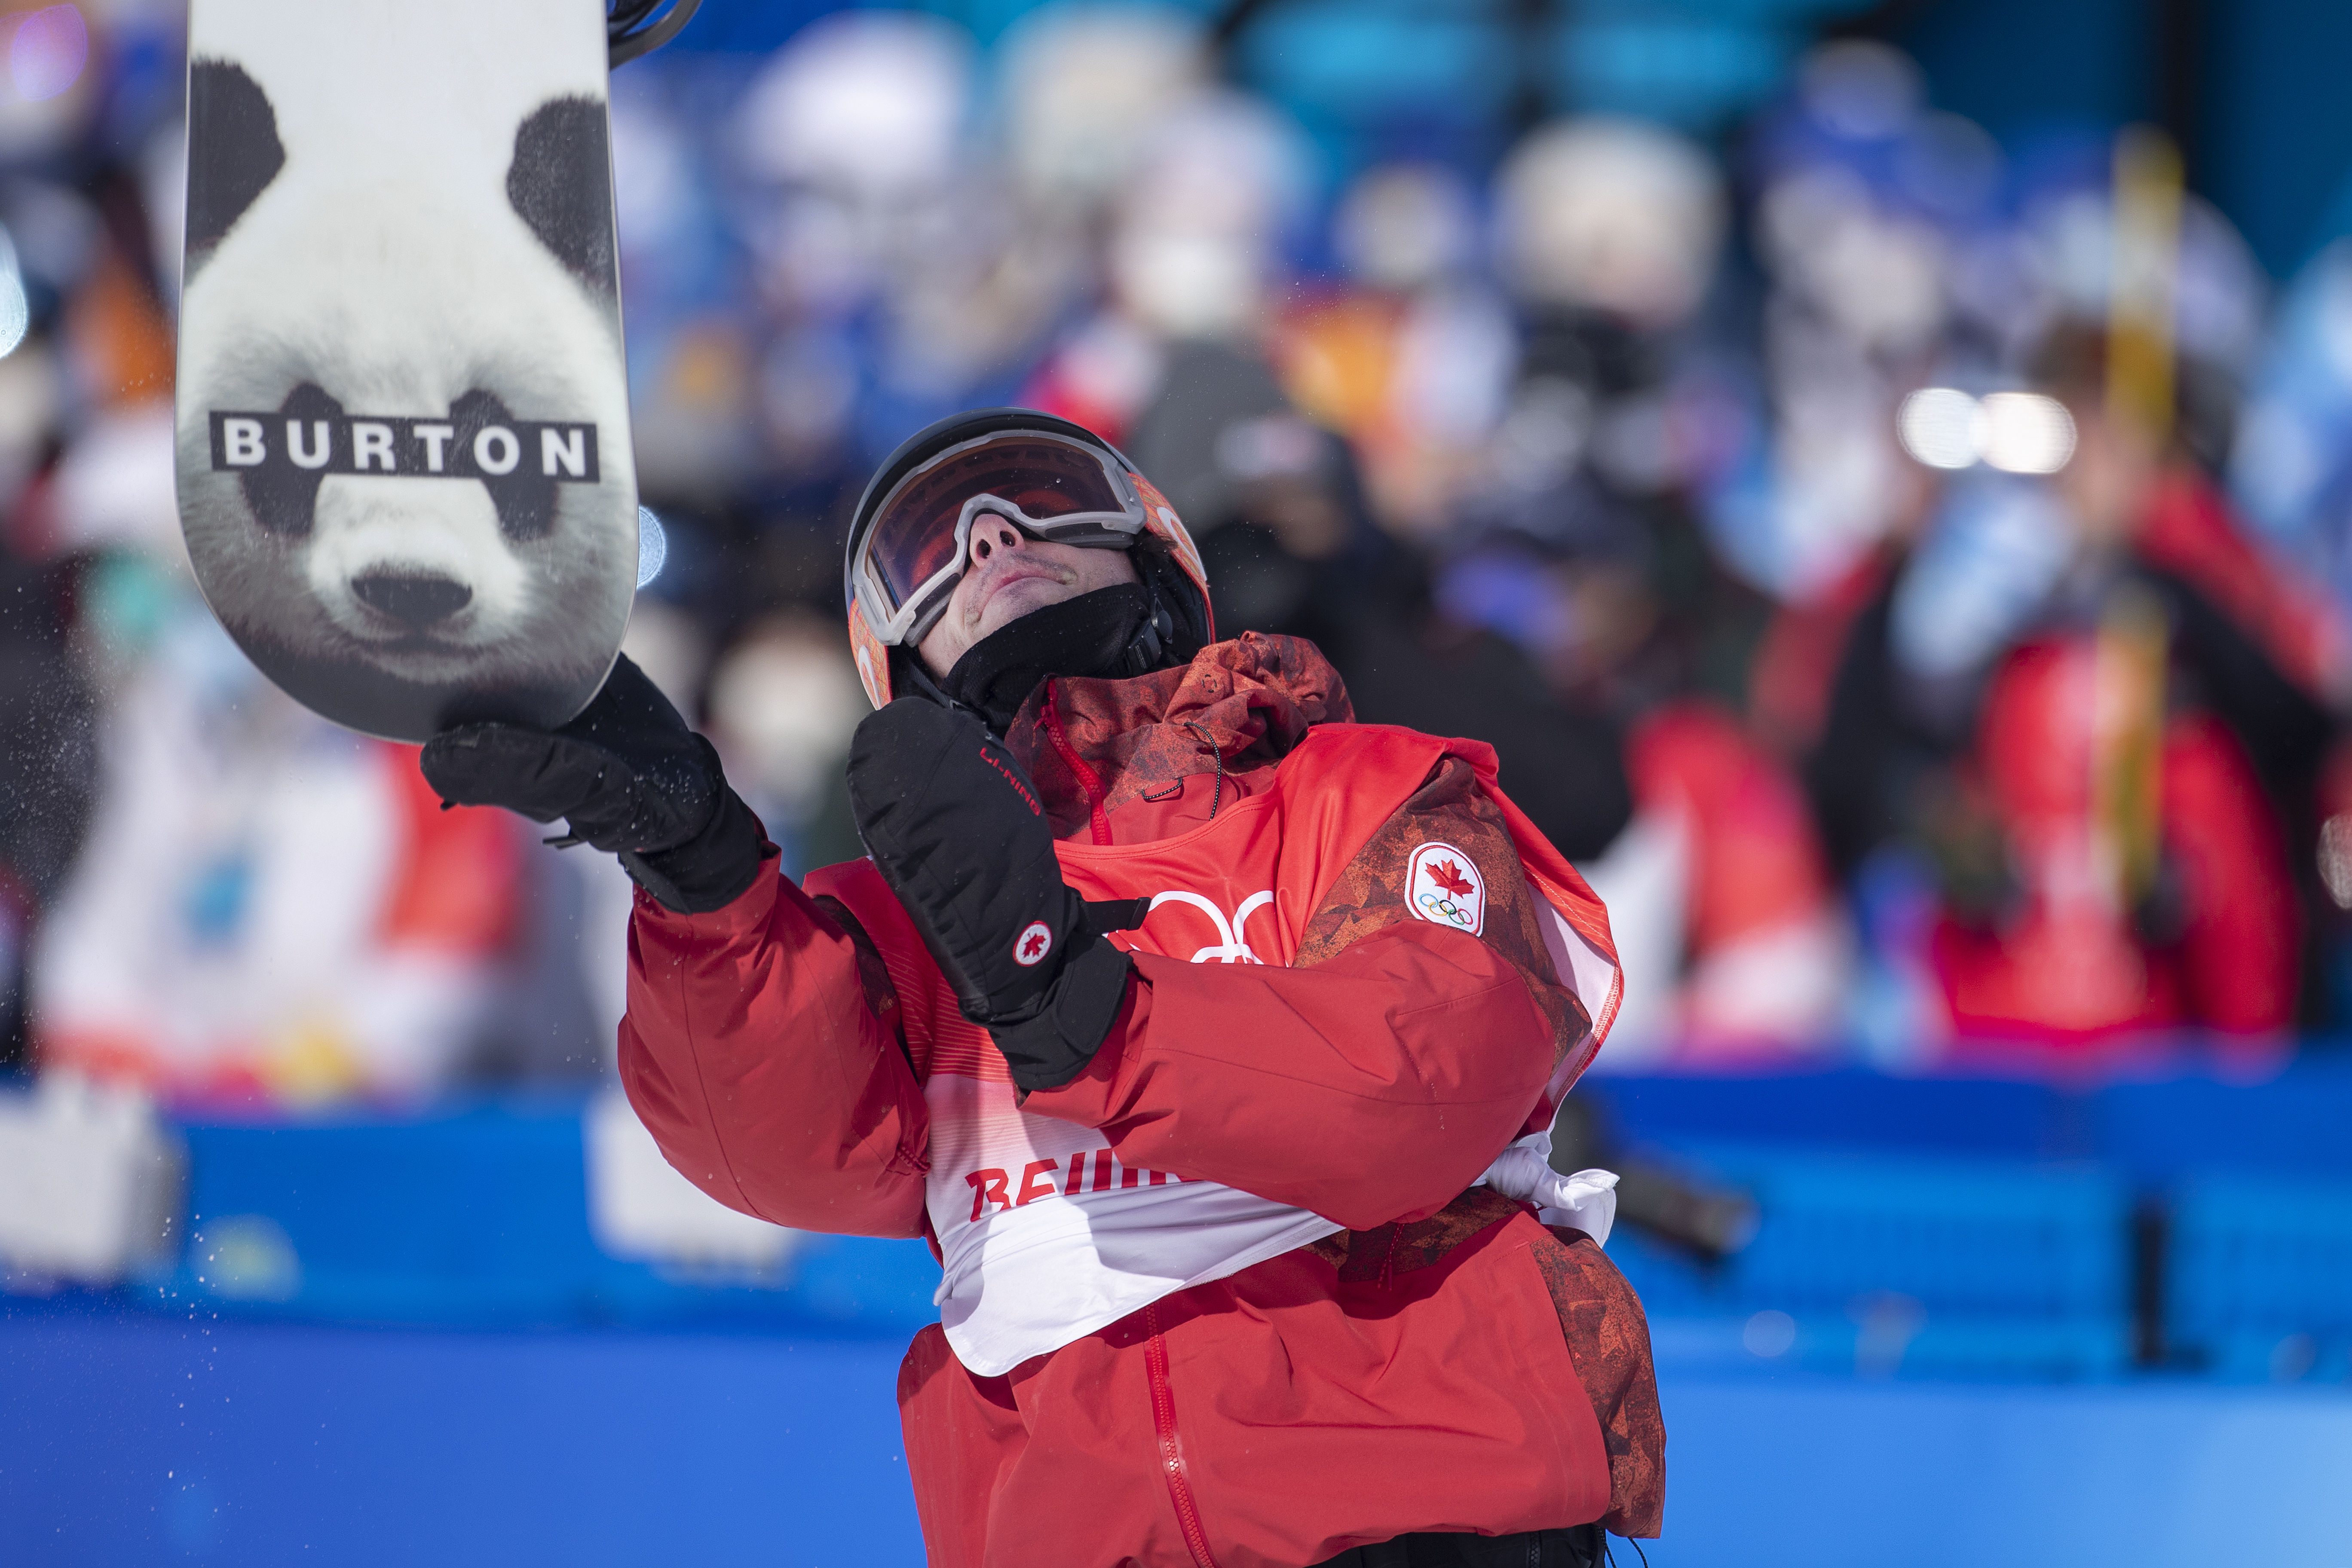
column 909, row 540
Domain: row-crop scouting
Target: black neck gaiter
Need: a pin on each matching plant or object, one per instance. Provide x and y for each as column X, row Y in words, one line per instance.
column 1087, row 636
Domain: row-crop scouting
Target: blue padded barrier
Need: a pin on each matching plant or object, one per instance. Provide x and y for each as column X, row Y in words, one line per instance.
column 1980, row 1260
column 1881, row 1264
column 878, row 1285
column 476, row 1217
column 1984, row 1237
column 2259, row 1277
column 153, row 1438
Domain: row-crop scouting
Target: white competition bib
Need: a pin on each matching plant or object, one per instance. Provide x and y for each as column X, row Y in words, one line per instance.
column 1045, row 1236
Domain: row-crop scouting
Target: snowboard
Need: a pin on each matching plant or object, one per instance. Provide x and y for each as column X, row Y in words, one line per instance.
column 401, row 429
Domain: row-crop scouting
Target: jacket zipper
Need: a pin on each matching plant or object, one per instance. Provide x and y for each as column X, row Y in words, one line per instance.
column 1088, row 780
column 1171, row 1450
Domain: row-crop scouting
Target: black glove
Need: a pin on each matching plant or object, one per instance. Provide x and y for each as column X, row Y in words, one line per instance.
column 958, row 831
column 632, row 779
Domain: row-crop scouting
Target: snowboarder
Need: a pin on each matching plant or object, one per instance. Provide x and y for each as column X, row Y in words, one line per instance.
column 1211, row 1039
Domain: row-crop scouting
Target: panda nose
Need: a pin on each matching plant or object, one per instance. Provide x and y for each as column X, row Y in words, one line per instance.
column 415, row 602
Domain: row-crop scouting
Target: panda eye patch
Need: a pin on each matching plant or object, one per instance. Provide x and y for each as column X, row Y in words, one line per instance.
column 559, row 184
column 526, row 496
column 284, row 497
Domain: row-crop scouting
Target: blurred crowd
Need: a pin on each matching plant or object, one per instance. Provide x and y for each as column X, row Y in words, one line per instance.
column 1909, row 574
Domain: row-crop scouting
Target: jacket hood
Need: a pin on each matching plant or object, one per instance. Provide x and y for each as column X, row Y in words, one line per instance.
column 1251, row 698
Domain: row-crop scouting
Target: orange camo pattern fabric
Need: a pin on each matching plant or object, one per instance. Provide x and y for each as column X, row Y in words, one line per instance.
column 1370, row 894
column 1386, row 1251
column 1608, row 1339
column 1251, row 698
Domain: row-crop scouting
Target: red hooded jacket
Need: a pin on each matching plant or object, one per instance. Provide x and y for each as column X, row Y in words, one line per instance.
column 1436, row 1361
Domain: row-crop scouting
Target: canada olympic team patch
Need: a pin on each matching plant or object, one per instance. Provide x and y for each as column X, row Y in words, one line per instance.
column 1444, row 888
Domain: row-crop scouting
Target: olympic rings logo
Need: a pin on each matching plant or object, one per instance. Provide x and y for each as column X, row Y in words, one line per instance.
column 1443, row 911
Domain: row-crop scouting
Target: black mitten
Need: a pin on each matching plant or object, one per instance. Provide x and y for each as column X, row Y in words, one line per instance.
column 959, row 832
column 631, row 779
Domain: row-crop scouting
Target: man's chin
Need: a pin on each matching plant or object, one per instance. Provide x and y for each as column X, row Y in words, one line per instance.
column 1015, row 600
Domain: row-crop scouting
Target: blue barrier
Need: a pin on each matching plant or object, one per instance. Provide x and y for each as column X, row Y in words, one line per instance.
column 1878, row 1264
column 475, row 1217
column 1980, row 1237
column 2259, row 1277
column 1918, row 1225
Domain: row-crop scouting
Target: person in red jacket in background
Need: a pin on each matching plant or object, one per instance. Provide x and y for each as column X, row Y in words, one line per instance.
column 2113, row 766
column 1212, row 1039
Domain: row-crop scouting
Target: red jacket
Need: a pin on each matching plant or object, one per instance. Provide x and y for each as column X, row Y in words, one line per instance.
column 1445, row 1363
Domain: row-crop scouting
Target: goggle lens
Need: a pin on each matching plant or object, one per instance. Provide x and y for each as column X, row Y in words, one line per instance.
column 914, row 539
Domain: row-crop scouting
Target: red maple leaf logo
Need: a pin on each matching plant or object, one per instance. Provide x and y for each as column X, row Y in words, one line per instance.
column 1035, row 946
column 1448, row 876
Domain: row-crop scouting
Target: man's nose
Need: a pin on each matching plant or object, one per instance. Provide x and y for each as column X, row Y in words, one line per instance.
column 991, row 534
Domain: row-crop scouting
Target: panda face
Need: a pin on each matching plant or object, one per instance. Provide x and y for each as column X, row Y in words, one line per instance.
column 403, row 435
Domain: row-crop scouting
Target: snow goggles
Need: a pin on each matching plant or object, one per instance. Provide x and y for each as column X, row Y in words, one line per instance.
column 920, row 541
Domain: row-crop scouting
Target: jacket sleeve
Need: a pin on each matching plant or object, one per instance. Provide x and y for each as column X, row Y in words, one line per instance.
column 1376, row 1077
column 755, row 1051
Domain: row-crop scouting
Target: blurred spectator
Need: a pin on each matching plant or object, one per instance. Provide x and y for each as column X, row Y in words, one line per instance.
column 269, row 907
column 2290, row 472
column 784, row 703
column 1595, row 563
column 1865, row 201
column 1192, row 259
column 2291, row 469
column 2090, row 699
column 1410, row 360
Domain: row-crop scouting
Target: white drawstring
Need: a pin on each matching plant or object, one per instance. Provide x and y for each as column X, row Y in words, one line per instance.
column 1586, row 1200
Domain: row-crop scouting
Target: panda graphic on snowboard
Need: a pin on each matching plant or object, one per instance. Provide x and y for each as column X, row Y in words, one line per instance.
column 403, row 441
